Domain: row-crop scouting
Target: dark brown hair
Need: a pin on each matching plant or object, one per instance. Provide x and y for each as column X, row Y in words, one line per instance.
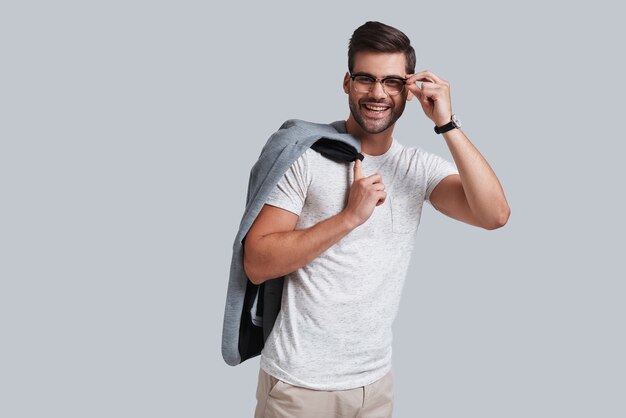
column 378, row 37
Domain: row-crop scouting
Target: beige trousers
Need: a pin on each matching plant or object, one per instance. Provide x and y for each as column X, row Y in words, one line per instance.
column 278, row 399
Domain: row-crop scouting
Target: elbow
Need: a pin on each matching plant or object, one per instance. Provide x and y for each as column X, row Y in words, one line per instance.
column 253, row 265
column 249, row 268
column 500, row 220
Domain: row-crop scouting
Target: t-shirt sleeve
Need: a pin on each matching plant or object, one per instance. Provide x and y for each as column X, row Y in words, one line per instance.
column 290, row 191
column 437, row 168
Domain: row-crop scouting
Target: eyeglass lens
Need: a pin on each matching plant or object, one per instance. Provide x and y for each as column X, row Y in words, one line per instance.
column 365, row 84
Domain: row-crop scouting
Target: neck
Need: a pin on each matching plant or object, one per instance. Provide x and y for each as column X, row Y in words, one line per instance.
column 371, row 144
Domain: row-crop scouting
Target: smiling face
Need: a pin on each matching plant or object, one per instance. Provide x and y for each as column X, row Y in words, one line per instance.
column 376, row 111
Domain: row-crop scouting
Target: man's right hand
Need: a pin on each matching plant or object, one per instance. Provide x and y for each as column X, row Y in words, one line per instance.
column 365, row 194
column 273, row 247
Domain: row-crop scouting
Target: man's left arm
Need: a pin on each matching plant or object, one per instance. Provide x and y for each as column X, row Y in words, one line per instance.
column 475, row 195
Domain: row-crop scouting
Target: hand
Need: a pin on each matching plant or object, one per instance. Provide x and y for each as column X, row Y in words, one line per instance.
column 365, row 194
column 433, row 95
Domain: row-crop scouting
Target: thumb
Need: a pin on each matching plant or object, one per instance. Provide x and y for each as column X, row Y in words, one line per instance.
column 358, row 174
column 417, row 91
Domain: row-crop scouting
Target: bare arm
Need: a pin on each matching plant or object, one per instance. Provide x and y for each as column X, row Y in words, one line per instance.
column 475, row 195
column 272, row 248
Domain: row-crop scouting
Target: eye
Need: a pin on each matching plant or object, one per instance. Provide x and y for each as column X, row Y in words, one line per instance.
column 363, row 79
column 393, row 82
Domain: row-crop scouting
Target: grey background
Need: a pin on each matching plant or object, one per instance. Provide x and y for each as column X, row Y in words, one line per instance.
column 128, row 130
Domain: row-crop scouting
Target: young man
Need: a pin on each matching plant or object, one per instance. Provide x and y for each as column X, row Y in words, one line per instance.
column 342, row 235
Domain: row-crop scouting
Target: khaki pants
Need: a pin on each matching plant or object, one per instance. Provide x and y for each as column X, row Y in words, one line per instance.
column 278, row 399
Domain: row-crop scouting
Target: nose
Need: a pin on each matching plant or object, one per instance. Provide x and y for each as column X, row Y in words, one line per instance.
column 377, row 90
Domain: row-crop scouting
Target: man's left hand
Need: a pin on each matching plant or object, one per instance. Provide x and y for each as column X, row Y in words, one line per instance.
column 433, row 95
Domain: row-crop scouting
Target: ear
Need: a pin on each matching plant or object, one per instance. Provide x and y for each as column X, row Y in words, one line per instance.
column 346, row 83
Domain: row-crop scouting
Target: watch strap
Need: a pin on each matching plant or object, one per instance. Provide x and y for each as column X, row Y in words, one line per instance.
column 454, row 123
column 445, row 128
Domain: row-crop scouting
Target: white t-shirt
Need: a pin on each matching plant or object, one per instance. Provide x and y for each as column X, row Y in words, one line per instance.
column 333, row 331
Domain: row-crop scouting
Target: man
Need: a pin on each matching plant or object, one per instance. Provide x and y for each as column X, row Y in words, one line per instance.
column 342, row 236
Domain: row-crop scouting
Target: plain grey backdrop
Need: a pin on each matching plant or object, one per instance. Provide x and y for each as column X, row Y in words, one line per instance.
column 128, row 130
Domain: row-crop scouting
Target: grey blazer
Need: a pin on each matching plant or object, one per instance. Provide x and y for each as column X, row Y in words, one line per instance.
column 251, row 310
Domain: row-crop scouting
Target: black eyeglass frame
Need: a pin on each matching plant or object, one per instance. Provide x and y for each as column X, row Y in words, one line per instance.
column 382, row 81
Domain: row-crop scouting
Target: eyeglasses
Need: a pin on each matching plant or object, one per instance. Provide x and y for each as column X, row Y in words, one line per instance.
column 365, row 83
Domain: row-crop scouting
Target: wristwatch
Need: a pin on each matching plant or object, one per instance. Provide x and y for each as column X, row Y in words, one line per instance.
column 454, row 123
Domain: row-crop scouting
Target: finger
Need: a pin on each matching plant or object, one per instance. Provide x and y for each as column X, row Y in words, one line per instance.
column 425, row 75
column 358, row 173
column 374, row 178
column 381, row 198
column 428, row 87
column 415, row 89
column 421, row 76
column 430, row 91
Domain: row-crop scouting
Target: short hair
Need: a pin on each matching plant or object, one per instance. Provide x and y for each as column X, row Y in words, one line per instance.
column 378, row 37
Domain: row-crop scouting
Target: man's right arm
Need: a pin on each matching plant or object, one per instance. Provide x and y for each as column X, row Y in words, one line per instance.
column 273, row 248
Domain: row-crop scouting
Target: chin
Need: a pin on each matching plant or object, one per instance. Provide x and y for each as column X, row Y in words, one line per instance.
column 374, row 127
column 375, row 130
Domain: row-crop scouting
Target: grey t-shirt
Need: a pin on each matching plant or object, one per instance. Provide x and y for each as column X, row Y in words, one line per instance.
column 333, row 331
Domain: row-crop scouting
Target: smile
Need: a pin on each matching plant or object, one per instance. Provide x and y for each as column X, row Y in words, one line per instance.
column 373, row 111
column 375, row 108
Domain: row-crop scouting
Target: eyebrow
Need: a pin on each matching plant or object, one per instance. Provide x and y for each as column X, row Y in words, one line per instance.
column 371, row 75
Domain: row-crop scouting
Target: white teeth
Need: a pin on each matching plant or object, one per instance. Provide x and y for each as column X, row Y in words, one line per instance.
column 376, row 108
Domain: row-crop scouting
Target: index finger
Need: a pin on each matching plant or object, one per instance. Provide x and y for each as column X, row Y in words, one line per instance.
column 358, row 173
column 423, row 75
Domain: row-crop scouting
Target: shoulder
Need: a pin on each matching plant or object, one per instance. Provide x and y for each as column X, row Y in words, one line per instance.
column 293, row 130
column 307, row 126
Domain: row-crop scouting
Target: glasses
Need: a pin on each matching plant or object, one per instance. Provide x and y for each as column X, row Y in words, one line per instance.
column 365, row 83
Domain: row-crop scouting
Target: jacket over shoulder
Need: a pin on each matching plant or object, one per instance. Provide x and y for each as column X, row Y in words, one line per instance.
column 251, row 310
